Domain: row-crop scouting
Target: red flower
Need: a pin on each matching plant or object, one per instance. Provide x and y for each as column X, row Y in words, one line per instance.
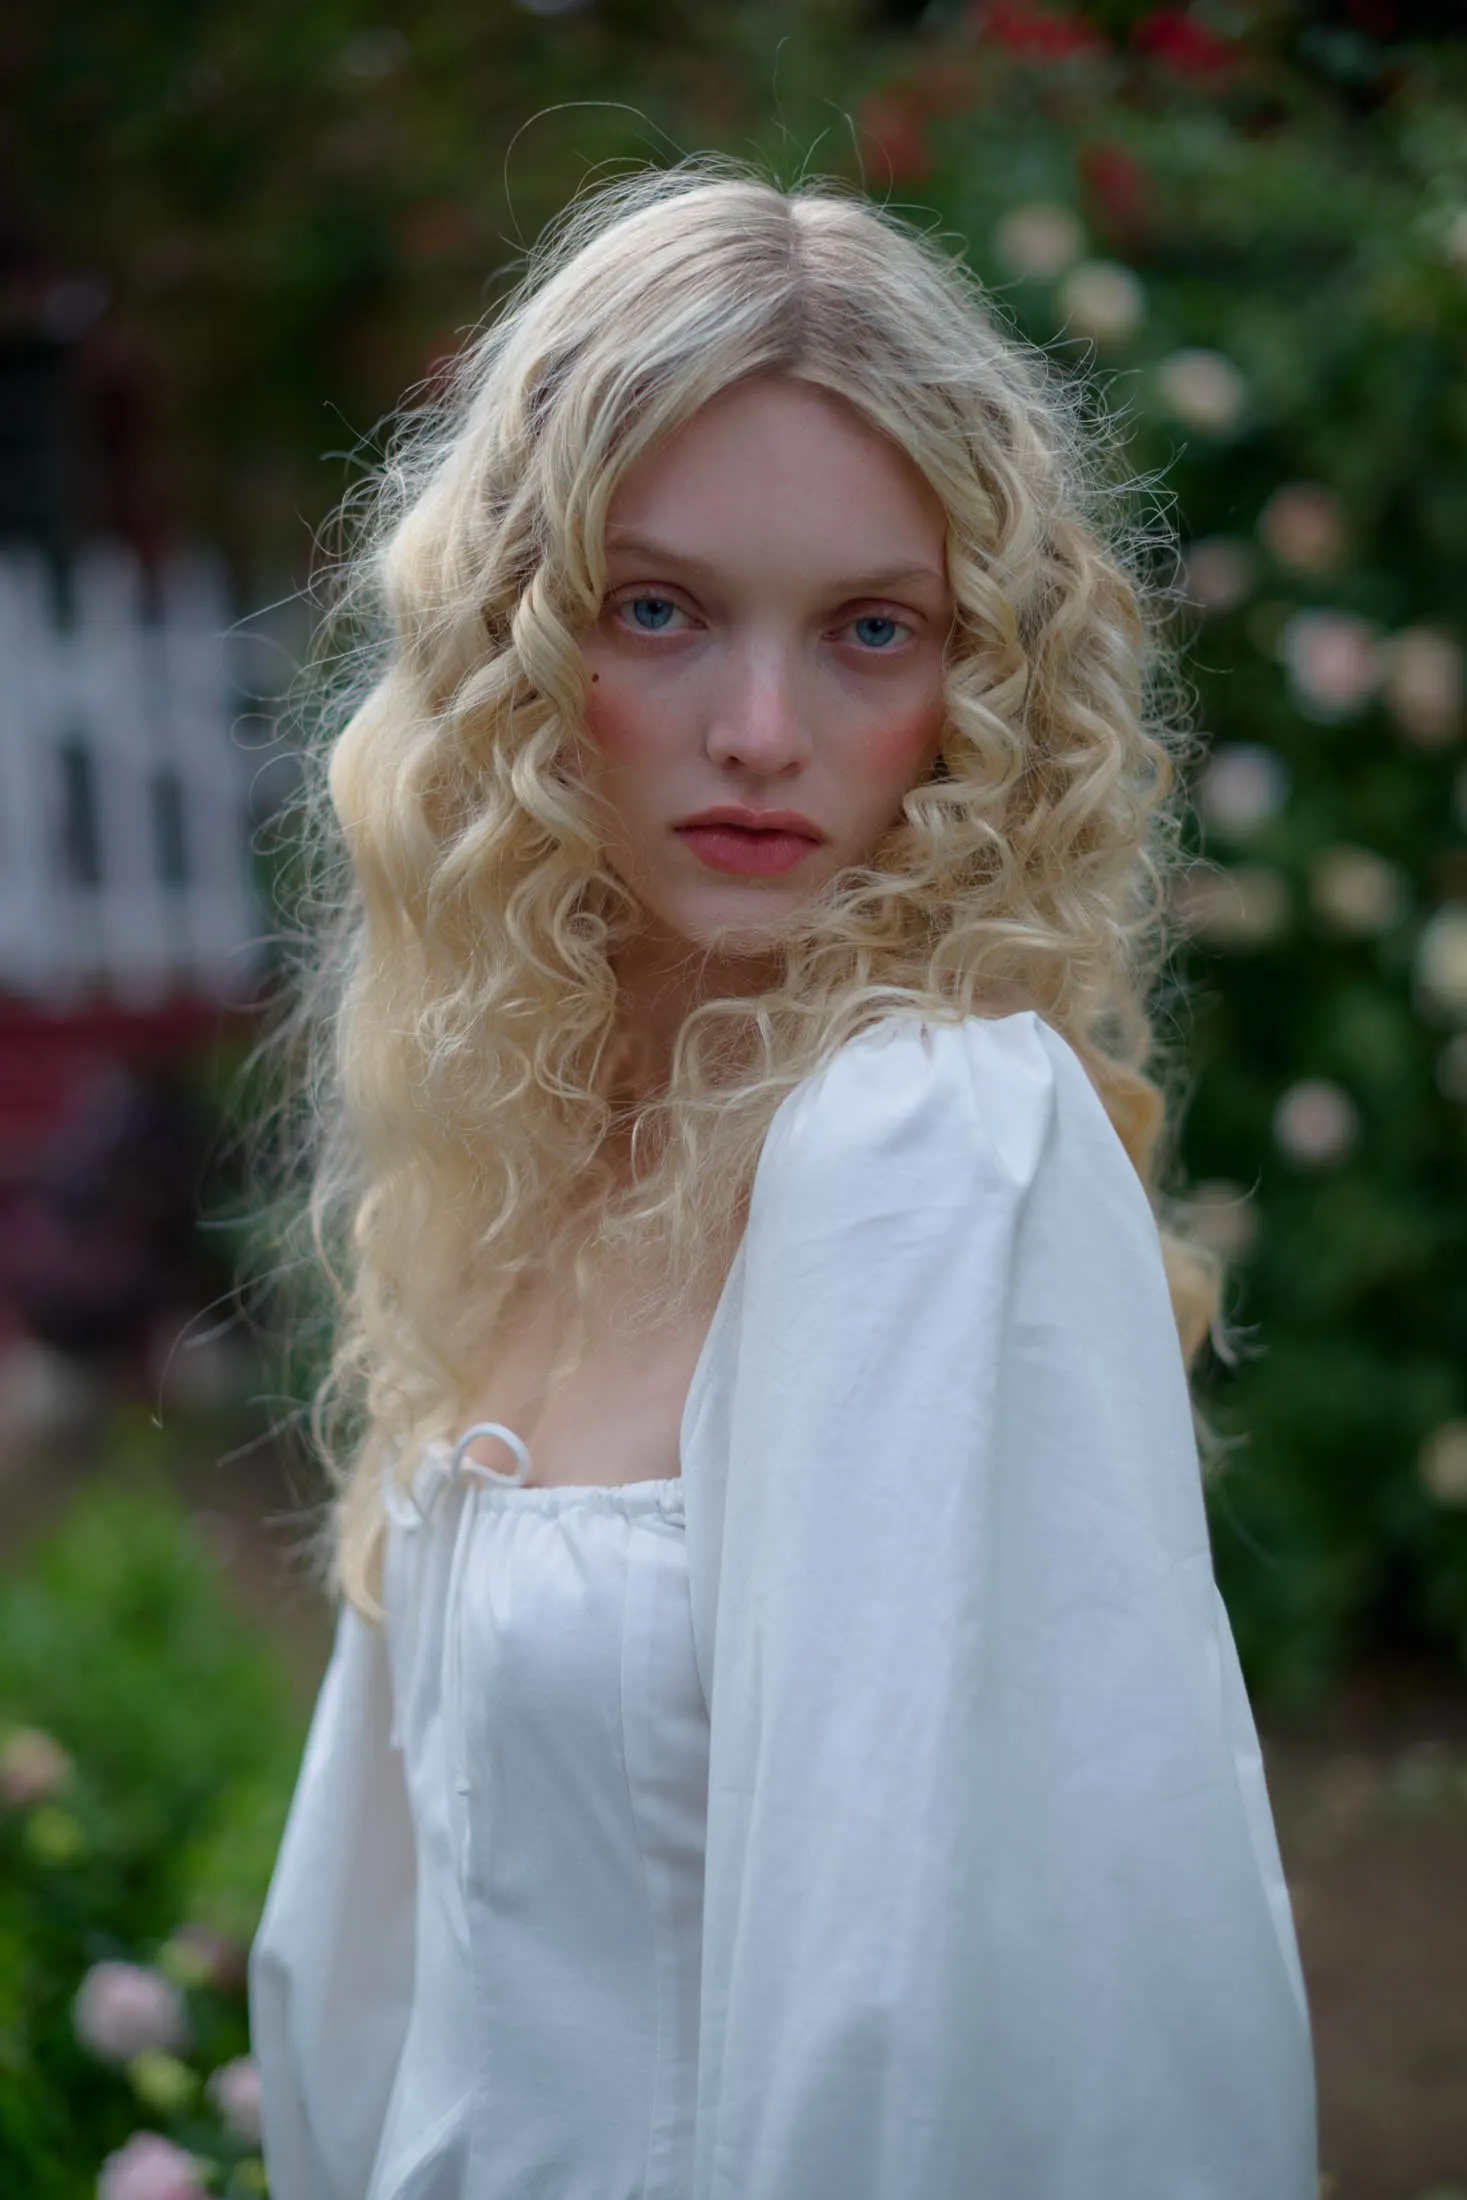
column 1186, row 47
column 1118, row 187
column 891, row 128
column 1035, row 32
column 946, row 87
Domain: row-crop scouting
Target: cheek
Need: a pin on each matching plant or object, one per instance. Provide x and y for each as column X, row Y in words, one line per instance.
column 620, row 721
column 625, row 765
column 902, row 742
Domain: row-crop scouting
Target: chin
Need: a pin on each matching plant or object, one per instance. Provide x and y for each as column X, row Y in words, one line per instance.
column 736, row 937
column 736, row 926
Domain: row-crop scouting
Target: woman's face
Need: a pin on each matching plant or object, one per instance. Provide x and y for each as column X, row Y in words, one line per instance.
column 771, row 641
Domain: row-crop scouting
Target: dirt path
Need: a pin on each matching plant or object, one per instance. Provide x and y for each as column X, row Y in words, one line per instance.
column 1371, row 1806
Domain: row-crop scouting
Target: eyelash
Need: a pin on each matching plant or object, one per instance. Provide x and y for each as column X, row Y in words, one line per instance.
column 622, row 603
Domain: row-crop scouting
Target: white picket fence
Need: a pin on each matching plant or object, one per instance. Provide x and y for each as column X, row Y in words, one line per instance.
column 128, row 753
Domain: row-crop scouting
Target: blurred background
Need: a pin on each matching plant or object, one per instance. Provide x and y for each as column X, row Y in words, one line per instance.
column 233, row 236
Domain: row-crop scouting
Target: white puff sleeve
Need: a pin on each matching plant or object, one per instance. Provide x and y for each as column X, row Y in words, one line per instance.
column 993, row 1902
column 332, row 1963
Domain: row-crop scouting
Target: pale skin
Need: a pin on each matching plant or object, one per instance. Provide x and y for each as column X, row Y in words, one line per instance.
column 771, row 637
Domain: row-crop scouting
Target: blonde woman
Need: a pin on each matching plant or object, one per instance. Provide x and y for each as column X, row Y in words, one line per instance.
column 783, row 1738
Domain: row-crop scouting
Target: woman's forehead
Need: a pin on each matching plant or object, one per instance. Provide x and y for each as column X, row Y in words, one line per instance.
column 781, row 458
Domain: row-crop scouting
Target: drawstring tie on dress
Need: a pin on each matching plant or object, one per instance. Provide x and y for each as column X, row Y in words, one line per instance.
column 463, row 1465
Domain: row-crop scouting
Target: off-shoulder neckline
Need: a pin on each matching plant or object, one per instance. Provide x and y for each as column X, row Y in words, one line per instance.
column 549, row 1497
column 666, row 1492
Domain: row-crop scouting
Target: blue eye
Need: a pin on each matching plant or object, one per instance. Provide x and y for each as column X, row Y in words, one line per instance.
column 874, row 619
column 659, row 603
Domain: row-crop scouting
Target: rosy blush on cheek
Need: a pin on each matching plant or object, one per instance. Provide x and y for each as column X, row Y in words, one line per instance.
column 900, row 746
column 618, row 724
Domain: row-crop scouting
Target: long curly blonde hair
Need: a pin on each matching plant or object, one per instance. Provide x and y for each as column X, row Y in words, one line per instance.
column 460, row 1010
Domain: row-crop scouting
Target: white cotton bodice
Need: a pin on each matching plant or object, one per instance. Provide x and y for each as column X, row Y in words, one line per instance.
column 555, row 1746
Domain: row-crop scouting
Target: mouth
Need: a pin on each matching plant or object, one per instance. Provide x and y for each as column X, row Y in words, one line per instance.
column 755, row 852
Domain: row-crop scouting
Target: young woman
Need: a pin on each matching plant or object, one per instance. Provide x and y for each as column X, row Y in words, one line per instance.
column 783, row 1738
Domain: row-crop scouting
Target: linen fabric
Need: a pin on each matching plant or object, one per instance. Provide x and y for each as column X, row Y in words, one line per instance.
column 874, row 1812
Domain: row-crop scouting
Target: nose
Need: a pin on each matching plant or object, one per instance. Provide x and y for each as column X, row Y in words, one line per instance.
column 760, row 720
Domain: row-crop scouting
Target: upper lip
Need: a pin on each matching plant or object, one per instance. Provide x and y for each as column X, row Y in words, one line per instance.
column 761, row 821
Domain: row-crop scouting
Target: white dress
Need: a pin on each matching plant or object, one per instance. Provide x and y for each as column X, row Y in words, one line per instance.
column 875, row 1812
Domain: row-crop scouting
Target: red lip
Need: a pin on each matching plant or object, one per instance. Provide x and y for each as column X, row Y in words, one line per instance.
column 754, row 821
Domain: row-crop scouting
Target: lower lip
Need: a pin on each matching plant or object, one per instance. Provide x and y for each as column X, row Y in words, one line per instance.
column 757, row 855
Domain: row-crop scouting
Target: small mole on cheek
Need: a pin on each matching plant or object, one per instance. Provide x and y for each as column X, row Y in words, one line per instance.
column 594, row 678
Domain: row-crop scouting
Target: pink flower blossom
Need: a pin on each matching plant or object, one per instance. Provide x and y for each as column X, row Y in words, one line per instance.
column 1316, row 1122
column 32, row 1768
column 1303, row 525
column 150, row 2167
column 1242, row 785
column 1334, row 662
column 234, row 2090
column 1218, row 572
column 122, row 2010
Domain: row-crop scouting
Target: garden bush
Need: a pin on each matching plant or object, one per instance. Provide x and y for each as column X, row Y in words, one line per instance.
column 148, row 1743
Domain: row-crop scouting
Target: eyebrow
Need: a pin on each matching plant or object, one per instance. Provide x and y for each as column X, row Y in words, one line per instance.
column 856, row 584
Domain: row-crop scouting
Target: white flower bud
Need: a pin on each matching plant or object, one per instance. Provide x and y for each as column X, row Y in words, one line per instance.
column 1218, row 572
column 1440, row 969
column 1303, row 526
column 1424, row 685
column 1316, row 1122
column 1040, row 239
column 1333, row 661
column 1241, row 785
column 1442, row 1466
column 1103, row 300
column 1203, row 388
column 1358, row 891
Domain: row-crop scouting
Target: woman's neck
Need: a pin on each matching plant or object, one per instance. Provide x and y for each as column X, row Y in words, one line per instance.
column 659, row 982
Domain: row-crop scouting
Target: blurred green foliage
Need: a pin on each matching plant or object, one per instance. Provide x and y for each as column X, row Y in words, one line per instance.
column 149, row 1841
